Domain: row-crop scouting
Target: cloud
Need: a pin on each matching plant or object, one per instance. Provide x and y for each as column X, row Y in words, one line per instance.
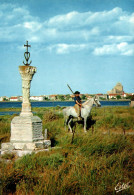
column 67, row 48
column 16, row 23
column 78, row 20
column 33, row 26
column 101, row 32
column 11, row 14
column 115, row 49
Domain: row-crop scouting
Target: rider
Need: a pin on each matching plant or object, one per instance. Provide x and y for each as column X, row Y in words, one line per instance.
column 78, row 104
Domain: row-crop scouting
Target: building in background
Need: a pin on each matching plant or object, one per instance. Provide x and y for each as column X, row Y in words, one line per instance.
column 118, row 89
column 14, row 99
column 37, row 98
column 4, row 98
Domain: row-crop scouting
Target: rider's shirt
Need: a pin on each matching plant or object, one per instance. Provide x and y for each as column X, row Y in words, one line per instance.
column 78, row 99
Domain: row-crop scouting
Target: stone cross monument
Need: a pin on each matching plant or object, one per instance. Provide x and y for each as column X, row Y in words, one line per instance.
column 26, row 129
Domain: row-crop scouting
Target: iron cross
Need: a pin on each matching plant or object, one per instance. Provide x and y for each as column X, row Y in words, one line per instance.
column 27, row 54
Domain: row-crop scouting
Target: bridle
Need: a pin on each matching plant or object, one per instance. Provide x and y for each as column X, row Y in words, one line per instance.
column 96, row 102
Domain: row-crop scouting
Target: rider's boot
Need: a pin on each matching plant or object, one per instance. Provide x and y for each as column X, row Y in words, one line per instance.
column 79, row 118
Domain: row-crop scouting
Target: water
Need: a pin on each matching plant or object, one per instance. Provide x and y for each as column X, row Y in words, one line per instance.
column 56, row 103
column 115, row 103
column 59, row 103
column 9, row 113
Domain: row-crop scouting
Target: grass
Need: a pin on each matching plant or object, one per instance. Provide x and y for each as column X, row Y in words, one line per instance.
column 91, row 164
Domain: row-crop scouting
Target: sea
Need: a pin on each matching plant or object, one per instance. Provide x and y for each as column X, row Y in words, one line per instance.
column 55, row 103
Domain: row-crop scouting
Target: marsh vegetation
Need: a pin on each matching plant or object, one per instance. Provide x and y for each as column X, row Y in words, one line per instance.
column 91, row 163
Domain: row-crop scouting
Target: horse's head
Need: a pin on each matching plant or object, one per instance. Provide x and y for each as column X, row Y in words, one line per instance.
column 96, row 102
column 92, row 100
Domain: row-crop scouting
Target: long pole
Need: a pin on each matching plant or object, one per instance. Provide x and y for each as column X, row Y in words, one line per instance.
column 72, row 92
column 70, row 88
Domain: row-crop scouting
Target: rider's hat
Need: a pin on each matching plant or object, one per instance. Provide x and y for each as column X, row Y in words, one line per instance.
column 77, row 92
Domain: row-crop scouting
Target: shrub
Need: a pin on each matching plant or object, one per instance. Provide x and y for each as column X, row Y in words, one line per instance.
column 50, row 116
column 126, row 123
column 8, row 156
column 4, row 127
column 112, row 121
column 13, row 176
column 100, row 145
column 40, row 160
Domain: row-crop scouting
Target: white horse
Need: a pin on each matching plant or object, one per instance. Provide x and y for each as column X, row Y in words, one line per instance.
column 70, row 112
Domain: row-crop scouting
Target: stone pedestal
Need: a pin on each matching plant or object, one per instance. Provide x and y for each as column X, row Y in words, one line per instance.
column 26, row 136
column 26, row 129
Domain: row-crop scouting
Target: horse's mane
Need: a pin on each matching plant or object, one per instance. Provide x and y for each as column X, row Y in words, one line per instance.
column 87, row 101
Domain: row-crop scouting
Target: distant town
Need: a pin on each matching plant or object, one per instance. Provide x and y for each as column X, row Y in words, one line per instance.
column 117, row 93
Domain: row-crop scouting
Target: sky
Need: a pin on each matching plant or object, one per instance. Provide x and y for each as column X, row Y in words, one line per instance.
column 88, row 44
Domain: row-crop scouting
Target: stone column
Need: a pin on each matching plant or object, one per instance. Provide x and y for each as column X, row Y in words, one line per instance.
column 26, row 129
column 27, row 73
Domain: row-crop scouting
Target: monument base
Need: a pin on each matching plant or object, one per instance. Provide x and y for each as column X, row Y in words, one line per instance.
column 26, row 129
column 21, row 149
column 26, row 136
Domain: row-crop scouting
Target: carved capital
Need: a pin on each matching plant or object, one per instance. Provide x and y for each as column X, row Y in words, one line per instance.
column 27, row 72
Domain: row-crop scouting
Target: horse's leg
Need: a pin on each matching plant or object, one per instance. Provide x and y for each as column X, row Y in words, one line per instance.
column 85, row 124
column 69, row 126
column 65, row 122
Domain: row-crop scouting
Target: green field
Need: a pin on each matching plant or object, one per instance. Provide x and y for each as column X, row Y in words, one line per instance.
column 78, row 163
